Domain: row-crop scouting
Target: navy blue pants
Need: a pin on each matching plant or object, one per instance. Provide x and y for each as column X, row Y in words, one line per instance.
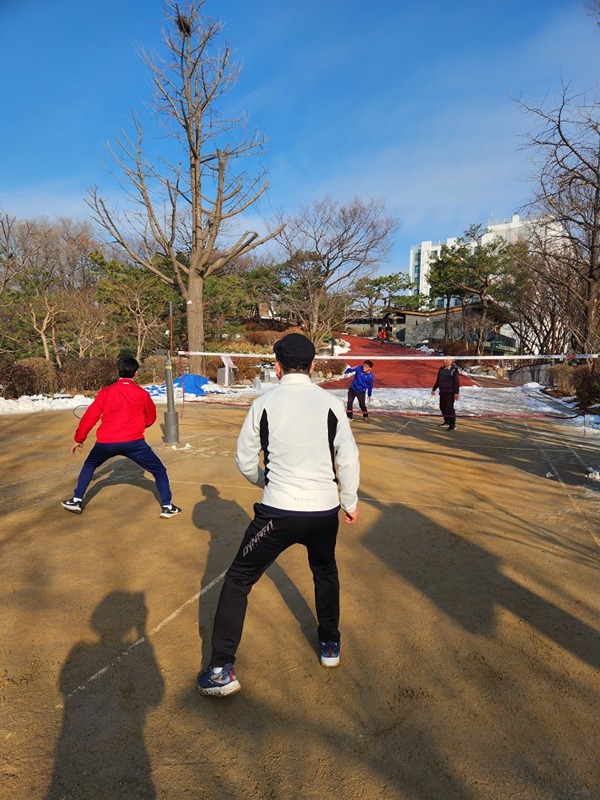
column 138, row 451
column 267, row 536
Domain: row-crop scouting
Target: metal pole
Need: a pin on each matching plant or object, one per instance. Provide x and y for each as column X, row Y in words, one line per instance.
column 171, row 417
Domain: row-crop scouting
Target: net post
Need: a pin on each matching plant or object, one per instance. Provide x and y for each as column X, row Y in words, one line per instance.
column 171, row 428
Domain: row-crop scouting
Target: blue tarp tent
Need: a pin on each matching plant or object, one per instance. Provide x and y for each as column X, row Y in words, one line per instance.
column 191, row 384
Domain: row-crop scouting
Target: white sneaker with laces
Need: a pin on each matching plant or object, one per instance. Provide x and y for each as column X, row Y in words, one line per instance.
column 170, row 511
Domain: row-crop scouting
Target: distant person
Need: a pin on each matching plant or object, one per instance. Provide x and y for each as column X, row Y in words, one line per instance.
column 310, row 468
column 361, row 386
column 125, row 411
column 382, row 336
column 447, row 382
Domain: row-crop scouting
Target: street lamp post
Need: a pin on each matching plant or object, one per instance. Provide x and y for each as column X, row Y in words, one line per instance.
column 171, row 416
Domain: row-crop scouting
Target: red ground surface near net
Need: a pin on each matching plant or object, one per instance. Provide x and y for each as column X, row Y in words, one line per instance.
column 392, row 374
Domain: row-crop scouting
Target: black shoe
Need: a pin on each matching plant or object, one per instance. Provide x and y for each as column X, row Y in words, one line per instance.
column 171, row 511
column 443, row 424
column 72, row 505
column 452, row 428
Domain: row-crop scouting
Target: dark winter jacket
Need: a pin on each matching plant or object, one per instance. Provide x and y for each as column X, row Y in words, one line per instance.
column 447, row 380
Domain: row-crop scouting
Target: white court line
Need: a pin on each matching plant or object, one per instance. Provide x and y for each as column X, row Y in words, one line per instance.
column 154, row 630
column 572, row 500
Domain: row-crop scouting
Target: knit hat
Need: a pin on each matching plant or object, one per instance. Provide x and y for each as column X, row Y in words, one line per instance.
column 294, row 350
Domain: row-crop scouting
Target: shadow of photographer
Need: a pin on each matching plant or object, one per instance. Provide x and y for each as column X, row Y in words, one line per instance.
column 108, row 686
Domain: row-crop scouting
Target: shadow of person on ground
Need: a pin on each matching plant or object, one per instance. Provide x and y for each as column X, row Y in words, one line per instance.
column 225, row 521
column 117, row 472
column 466, row 582
column 108, row 688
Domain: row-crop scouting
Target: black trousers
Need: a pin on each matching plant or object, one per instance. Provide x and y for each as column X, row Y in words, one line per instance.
column 266, row 537
column 447, row 408
column 360, row 396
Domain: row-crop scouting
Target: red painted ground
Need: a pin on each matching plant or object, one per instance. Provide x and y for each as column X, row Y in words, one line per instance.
column 392, row 374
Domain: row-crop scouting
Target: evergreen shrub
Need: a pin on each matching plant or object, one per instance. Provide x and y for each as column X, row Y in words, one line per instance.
column 265, row 338
column 152, row 370
column 45, row 381
column 87, row 374
column 16, row 380
column 329, row 366
column 565, row 379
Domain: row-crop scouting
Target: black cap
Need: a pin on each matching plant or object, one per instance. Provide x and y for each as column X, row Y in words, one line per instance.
column 294, row 350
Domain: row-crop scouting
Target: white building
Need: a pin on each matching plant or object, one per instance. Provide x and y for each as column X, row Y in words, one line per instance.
column 423, row 254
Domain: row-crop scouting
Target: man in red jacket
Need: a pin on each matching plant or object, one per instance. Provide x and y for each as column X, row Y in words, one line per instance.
column 125, row 411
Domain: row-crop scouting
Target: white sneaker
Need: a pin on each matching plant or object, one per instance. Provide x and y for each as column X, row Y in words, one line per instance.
column 167, row 511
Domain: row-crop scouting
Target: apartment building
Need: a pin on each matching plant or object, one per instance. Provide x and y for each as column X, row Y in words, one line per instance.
column 423, row 254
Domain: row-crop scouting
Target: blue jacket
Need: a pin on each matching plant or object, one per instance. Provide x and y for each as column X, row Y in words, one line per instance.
column 363, row 381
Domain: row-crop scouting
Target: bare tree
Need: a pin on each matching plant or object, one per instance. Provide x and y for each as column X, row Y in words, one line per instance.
column 186, row 204
column 593, row 7
column 328, row 247
column 88, row 331
column 530, row 303
column 53, row 269
column 566, row 148
column 19, row 245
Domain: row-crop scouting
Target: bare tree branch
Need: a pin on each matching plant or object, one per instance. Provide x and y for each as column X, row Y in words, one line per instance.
column 186, row 208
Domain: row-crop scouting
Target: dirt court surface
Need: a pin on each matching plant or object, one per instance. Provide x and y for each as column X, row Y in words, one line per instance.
column 470, row 655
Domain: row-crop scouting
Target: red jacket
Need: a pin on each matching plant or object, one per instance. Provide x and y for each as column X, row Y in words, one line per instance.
column 126, row 411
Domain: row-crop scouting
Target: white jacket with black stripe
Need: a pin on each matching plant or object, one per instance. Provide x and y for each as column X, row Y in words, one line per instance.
column 309, row 453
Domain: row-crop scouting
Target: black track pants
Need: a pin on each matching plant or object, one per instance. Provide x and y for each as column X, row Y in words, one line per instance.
column 447, row 408
column 266, row 537
column 360, row 396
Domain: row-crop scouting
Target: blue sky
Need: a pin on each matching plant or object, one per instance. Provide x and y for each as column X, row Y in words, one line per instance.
column 413, row 101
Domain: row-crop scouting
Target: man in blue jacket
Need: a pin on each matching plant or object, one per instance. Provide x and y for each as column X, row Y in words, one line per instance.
column 360, row 386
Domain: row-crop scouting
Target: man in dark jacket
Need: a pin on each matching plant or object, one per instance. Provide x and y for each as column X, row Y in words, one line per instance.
column 125, row 411
column 448, row 384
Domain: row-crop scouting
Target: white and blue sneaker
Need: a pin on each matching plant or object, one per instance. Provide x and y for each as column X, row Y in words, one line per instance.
column 218, row 681
column 330, row 654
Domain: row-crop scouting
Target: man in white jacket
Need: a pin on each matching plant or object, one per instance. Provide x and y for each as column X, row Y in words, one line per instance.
column 310, row 469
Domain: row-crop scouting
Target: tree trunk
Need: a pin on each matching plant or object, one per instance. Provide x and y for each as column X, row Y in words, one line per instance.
column 447, row 319
column 195, row 322
column 482, row 329
column 55, row 347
